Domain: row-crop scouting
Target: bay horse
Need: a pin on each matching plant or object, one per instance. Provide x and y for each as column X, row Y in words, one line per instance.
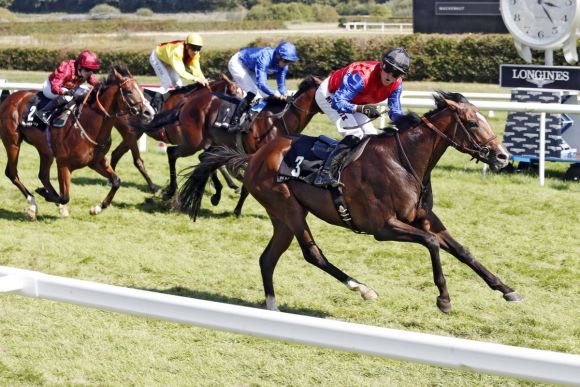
column 274, row 120
column 174, row 134
column 386, row 190
column 82, row 141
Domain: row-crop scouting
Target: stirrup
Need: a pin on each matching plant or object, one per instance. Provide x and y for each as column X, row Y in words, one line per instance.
column 323, row 181
column 44, row 117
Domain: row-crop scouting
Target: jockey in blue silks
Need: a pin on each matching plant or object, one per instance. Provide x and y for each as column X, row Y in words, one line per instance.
column 250, row 68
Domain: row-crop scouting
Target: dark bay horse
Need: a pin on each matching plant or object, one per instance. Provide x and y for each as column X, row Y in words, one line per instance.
column 386, row 190
column 276, row 119
column 82, row 142
column 175, row 134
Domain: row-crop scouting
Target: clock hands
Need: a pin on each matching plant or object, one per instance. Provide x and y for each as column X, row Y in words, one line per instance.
column 544, row 3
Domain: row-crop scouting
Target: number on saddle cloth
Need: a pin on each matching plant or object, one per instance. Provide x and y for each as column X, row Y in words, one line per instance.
column 305, row 157
column 29, row 118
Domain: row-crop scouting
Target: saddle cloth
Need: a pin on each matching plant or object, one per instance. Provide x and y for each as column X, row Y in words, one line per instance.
column 29, row 118
column 305, row 157
column 228, row 108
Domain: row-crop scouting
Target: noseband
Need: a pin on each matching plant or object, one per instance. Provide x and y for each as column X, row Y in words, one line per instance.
column 477, row 151
column 133, row 110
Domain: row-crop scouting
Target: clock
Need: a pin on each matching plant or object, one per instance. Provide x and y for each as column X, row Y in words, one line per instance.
column 542, row 24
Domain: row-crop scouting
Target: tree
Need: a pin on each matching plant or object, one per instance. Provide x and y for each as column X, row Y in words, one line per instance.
column 5, row 3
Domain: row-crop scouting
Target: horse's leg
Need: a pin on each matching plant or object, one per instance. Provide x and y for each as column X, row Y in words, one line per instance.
column 454, row 248
column 279, row 243
column 217, row 184
column 131, row 144
column 103, row 168
column 396, row 230
column 172, row 155
column 47, row 192
column 243, row 195
column 11, row 172
column 64, row 185
column 293, row 215
column 229, row 181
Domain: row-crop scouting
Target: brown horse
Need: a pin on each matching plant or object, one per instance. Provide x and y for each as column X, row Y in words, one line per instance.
column 386, row 190
column 274, row 120
column 175, row 134
column 83, row 141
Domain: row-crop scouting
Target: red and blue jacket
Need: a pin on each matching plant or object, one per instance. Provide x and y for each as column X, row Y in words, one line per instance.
column 360, row 83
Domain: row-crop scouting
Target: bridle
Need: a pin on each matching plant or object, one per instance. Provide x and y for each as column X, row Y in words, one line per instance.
column 477, row 151
column 132, row 109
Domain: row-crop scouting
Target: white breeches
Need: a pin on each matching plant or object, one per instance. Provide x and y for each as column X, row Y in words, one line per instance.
column 167, row 76
column 243, row 77
column 355, row 124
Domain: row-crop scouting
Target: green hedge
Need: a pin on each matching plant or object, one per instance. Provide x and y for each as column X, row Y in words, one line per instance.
column 452, row 58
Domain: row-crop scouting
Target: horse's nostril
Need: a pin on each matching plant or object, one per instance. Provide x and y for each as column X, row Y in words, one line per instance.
column 502, row 156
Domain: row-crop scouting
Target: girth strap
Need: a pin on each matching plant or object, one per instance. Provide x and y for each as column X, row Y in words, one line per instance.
column 343, row 214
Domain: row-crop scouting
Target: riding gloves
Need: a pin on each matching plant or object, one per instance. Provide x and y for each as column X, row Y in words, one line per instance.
column 371, row 111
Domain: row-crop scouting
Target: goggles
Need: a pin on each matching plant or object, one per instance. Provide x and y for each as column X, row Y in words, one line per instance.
column 389, row 68
column 194, row 47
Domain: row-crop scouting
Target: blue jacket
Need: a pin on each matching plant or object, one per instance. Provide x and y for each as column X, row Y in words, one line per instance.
column 262, row 62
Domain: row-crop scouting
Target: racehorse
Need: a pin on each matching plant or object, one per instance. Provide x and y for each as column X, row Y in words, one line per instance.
column 82, row 141
column 274, row 120
column 386, row 191
column 175, row 134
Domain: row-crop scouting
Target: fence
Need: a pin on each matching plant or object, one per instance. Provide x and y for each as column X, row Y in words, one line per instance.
column 408, row 100
column 532, row 364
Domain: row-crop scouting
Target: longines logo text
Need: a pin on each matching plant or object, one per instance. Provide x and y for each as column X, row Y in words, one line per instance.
column 540, row 74
column 552, row 77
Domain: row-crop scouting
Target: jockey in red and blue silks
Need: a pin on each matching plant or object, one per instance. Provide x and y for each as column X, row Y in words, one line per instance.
column 349, row 97
column 250, row 68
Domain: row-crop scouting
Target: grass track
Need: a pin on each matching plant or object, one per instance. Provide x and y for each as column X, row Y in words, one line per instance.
column 523, row 232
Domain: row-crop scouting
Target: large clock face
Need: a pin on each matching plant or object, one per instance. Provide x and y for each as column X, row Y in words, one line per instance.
column 540, row 23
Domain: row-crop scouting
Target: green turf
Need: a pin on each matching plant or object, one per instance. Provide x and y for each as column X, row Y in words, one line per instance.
column 523, row 232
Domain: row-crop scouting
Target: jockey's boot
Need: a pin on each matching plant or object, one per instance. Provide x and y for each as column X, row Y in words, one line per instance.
column 45, row 113
column 326, row 175
column 240, row 109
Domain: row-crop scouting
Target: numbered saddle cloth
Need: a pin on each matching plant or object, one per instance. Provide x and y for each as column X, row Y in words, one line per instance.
column 29, row 118
column 305, row 157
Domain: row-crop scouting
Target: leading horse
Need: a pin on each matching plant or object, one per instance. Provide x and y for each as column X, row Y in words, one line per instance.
column 386, row 190
column 82, row 141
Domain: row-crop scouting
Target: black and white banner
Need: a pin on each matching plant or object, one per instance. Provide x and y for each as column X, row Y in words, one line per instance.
column 542, row 77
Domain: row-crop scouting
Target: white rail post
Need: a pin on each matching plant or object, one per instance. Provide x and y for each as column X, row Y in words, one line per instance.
column 142, row 143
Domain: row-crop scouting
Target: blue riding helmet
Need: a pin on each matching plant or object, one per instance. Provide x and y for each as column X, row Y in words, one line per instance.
column 287, row 51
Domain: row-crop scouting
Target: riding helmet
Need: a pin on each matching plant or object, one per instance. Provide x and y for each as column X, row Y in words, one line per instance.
column 287, row 51
column 194, row 39
column 398, row 58
column 89, row 60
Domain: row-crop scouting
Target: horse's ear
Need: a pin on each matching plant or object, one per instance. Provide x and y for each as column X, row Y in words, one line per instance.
column 116, row 73
column 226, row 78
column 452, row 104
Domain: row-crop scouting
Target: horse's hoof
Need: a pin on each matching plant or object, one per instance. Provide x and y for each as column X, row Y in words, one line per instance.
column 512, row 297
column 215, row 199
column 444, row 305
column 237, row 190
column 63, row 210
column 96, row 210
column 31, row 213
column 271, row 304
column 153, row 188
column 367, row 293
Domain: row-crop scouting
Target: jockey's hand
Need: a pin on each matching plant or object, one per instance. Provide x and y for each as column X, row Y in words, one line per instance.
column 371, row 111
column 204, row 82
column 280, row 97
column 68, row 92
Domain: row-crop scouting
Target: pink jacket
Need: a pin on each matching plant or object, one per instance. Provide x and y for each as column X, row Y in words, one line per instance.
column 65, row 75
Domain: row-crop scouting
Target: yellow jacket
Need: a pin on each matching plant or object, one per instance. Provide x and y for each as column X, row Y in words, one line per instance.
column 173, row 53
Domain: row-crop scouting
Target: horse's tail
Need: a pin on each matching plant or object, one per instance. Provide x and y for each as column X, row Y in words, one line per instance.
column 191, row 191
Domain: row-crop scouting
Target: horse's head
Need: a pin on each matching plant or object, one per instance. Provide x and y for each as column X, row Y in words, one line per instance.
column 303, row 99
column 227, row 86
column 470, row 131
column 130, row 98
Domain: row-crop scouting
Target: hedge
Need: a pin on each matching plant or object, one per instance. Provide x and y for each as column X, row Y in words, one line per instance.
column 452, row 58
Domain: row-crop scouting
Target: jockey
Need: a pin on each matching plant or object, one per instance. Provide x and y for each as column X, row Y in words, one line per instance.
column 63, row 84
column 349, row 97
column 178, row 59
column 250, row 68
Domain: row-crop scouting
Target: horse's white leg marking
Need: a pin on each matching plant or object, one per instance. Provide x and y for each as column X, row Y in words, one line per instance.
column 63, row 210
column 366, row 292
column 271, row 304
column 32, row 209
column 96, row 210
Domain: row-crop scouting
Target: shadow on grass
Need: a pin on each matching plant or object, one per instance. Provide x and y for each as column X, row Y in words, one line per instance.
column 101, row 181
column 21, row 216
column 207, row 296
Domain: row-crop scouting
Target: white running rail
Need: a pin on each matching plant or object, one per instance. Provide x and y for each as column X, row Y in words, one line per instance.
column 532, row 364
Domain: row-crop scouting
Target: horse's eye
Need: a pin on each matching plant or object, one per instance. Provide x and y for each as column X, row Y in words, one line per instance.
column 471, row 124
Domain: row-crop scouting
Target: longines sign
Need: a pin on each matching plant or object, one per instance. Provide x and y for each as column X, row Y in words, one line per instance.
column 547, row 77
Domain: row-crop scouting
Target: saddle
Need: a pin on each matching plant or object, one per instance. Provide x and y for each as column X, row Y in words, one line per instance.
column 307, row 155
column 228, row 109
column 37, row 102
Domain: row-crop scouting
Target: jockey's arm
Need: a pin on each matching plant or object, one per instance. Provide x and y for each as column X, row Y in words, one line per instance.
column 394, row 103
column 261, row 74
column 179, row 67
column 352, row 84
column 92, row 80
column 59, row 76
column 281, row 80
column 195, row 70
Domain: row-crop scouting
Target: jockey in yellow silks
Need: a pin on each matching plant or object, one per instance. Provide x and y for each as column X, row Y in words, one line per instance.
column 178, row 59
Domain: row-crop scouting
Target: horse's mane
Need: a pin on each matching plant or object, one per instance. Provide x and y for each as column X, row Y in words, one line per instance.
column 440, row 102
column 308, row 83
column 110, row 79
